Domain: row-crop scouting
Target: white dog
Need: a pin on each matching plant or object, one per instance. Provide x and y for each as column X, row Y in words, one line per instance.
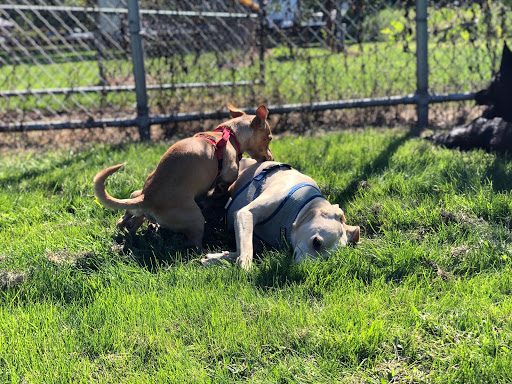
column 278, row 205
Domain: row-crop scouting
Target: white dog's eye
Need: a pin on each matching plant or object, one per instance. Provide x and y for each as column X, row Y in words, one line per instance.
column 317, row 243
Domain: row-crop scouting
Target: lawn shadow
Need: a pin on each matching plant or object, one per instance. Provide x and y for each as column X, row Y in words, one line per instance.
column 32, row 173
column 276, row 270
column 151, row 249
column 498, row 174
column 348, row 193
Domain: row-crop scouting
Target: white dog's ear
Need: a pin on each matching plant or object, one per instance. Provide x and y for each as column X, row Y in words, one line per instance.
column 352, row 233
column 338, row 213
column 234, row 111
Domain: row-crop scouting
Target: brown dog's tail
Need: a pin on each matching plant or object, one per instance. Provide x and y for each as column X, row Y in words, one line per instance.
column 109, row 201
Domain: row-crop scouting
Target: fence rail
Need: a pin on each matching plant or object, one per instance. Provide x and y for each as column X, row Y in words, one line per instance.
column 50, row 8
column 115, row 65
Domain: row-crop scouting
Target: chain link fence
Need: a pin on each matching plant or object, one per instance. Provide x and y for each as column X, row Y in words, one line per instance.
column 68, row 64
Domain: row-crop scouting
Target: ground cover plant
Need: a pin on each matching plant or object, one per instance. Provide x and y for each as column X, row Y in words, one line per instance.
column 425, row 296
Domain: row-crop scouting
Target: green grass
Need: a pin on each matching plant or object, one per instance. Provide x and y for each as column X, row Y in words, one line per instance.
column 425, row 296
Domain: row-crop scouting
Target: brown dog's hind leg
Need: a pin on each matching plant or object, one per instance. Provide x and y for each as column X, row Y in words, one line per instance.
column 128, row 221
column 134, row 223
column 186, row 219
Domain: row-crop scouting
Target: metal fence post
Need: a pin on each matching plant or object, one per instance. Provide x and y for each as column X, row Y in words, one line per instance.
column 262, row 36
column 138, row 69
column 422, row 95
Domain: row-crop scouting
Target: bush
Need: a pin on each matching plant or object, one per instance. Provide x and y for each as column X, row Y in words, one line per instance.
column 385, row 25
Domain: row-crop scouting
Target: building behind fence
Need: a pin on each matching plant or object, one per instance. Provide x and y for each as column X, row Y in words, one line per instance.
column 120, row 63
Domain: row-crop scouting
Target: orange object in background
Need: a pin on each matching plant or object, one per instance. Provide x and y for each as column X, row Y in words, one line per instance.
column 249, row 3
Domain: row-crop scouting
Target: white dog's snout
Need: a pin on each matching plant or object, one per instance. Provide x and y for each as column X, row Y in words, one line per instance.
column 298, row 255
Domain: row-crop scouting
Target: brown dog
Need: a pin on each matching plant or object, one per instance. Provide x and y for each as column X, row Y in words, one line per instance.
column 190, row 169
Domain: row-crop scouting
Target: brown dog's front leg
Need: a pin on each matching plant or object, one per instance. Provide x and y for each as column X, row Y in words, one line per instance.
column 227, row 176
column 229, row 172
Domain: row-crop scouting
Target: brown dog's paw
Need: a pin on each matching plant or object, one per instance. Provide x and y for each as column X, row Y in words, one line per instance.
column 130, row 223
column 121, row 223
column 153, row 226
column 221, row 189
column 214, row 258
column 134, row 223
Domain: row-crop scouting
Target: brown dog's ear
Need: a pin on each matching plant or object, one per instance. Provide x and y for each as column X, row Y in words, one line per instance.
column 260, row 121
column 234, row 111
column 262, row 112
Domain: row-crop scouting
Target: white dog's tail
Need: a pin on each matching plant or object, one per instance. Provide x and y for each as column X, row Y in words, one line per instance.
column 109, row 201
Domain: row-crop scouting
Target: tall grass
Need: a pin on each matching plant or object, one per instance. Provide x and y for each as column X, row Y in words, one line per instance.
column 425, row 296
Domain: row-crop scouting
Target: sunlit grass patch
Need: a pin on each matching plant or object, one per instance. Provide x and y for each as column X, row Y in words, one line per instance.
column 424, row 297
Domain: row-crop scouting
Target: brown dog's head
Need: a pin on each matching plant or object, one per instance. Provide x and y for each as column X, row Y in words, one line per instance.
column 255, row 132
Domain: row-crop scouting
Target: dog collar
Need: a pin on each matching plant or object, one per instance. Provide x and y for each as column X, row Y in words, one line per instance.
column 227, row 133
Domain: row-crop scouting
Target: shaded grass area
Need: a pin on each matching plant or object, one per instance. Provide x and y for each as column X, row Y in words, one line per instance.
column 425, row 297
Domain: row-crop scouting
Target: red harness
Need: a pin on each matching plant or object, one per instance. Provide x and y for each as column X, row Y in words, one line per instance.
column 227, row 133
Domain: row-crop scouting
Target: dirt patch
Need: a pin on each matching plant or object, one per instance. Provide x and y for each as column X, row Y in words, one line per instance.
column 440, row 272
column 65, row 257
column 461, row 218
column 460, row 251
column 298, row 123
column 376, row 208
column 11, row 279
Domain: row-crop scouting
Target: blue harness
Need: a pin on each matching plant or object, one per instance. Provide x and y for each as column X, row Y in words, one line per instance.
column 275, row 230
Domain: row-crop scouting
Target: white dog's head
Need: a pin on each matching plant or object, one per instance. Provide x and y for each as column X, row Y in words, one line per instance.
column 319, row 230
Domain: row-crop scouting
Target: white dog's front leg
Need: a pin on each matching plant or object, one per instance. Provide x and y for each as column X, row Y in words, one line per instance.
column 247, row 217
column 244, row 228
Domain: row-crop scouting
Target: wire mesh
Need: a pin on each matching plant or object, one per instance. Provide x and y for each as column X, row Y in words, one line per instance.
column 70, row 60
column 62, row 63
column 201, row 56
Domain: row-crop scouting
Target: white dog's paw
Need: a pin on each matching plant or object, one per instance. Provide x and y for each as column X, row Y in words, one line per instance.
column 214, row 258
column 244, row 263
